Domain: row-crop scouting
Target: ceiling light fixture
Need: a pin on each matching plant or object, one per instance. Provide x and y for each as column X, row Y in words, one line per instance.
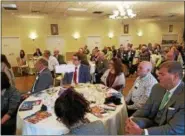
column 123, row 11
column 77, row 9
column 9, row 6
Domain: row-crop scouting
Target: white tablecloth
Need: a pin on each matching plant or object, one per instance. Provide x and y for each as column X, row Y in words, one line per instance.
column 114, row 121
column 92, row 66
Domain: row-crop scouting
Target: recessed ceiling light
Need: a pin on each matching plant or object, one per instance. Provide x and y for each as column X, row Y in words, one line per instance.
column 77, row 9
column 9, row 5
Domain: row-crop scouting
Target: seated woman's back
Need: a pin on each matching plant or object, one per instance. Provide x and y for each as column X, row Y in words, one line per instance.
column 93, row 128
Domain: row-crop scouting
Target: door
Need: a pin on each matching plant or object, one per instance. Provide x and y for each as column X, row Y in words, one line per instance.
column 55, row 42
column 11, row 47
column 125, row 39
column 93, row 41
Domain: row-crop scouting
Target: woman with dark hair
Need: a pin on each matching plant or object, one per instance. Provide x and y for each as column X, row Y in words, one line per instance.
column 37, row 53
column 114, row 76
column 6, row 67
column 10, row 100
column 22, row 57
column 70, row 108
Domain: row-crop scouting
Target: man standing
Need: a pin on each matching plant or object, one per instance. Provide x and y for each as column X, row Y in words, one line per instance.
column 86, row 50
column 163, row 113
column 139, row 93
column 80, row 75
column 52, row 62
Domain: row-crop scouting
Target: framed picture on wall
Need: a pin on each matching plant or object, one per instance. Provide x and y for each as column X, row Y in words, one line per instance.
column 54, row 29
column 126, row 29
column 170, row 28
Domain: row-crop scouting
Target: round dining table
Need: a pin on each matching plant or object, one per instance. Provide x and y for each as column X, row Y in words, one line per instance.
column 113, row 120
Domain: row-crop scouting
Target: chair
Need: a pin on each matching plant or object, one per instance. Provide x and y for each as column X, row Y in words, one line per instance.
column 125, row 70
column 57, row 79
column 93, row 128
column 21, row 67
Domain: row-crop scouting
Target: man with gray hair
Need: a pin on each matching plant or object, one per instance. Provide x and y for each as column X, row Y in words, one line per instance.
column 44, row 79
column 141, row 89
column 101, row 67
column 163, row 113
column 52, row 62
column 59, row 57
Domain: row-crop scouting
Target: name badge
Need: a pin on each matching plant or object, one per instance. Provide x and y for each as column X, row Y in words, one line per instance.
column 136, row 86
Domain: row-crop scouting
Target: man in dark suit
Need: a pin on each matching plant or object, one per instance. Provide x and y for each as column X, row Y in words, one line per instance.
column 44, row 78
column 80, row 75
column 59, row 57
column 163, row 113
column 128, row 56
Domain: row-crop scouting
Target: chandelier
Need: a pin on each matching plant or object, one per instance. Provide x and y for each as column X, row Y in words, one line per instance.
column 123, row 11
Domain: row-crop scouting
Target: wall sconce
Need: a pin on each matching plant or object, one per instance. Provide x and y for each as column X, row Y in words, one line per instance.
column 76, row 36
column 33, row 36
column 111, row 35
column 140, row 33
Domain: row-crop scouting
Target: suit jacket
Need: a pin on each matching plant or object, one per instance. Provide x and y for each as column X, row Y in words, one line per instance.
column 93, row 128
column 83, row 77
column 172, row 118
column 43, row 81
column 61, row 59
column 126, row 59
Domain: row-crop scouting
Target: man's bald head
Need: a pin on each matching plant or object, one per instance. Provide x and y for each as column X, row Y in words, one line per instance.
column 170, row 56
column 101, row 55
column 144, row 68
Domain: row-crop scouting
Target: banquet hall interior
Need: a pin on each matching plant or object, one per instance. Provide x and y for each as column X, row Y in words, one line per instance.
column 114, row 53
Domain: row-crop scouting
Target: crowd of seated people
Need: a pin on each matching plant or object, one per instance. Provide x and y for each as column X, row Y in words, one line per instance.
column 144, row 101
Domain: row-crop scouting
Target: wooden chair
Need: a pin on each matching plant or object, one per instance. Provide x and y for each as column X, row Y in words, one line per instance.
column 21, row 67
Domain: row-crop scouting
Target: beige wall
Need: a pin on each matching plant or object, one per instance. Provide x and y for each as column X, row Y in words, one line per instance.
column 22, row 27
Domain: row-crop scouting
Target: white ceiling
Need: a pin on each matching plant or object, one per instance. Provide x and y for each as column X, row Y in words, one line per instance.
column 144, row 10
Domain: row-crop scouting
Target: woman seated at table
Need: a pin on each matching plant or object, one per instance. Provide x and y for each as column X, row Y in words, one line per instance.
column 70, row 109
column 10, row 100
column 114, row 76
column 37, row 53
column 22, row 58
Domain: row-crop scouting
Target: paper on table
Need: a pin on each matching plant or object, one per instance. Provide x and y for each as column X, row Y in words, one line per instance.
column 65, row 68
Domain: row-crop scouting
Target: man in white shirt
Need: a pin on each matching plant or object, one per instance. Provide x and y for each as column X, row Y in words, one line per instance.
column 52, row 61
column 163, row 113
column 141, row 89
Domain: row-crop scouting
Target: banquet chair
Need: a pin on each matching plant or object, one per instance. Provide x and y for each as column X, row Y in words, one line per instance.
column 93, row 128
column 21, row 67
column 57, row 79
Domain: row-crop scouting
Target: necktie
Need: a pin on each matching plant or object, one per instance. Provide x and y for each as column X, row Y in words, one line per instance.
column 165, row 100
column 75, row 76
